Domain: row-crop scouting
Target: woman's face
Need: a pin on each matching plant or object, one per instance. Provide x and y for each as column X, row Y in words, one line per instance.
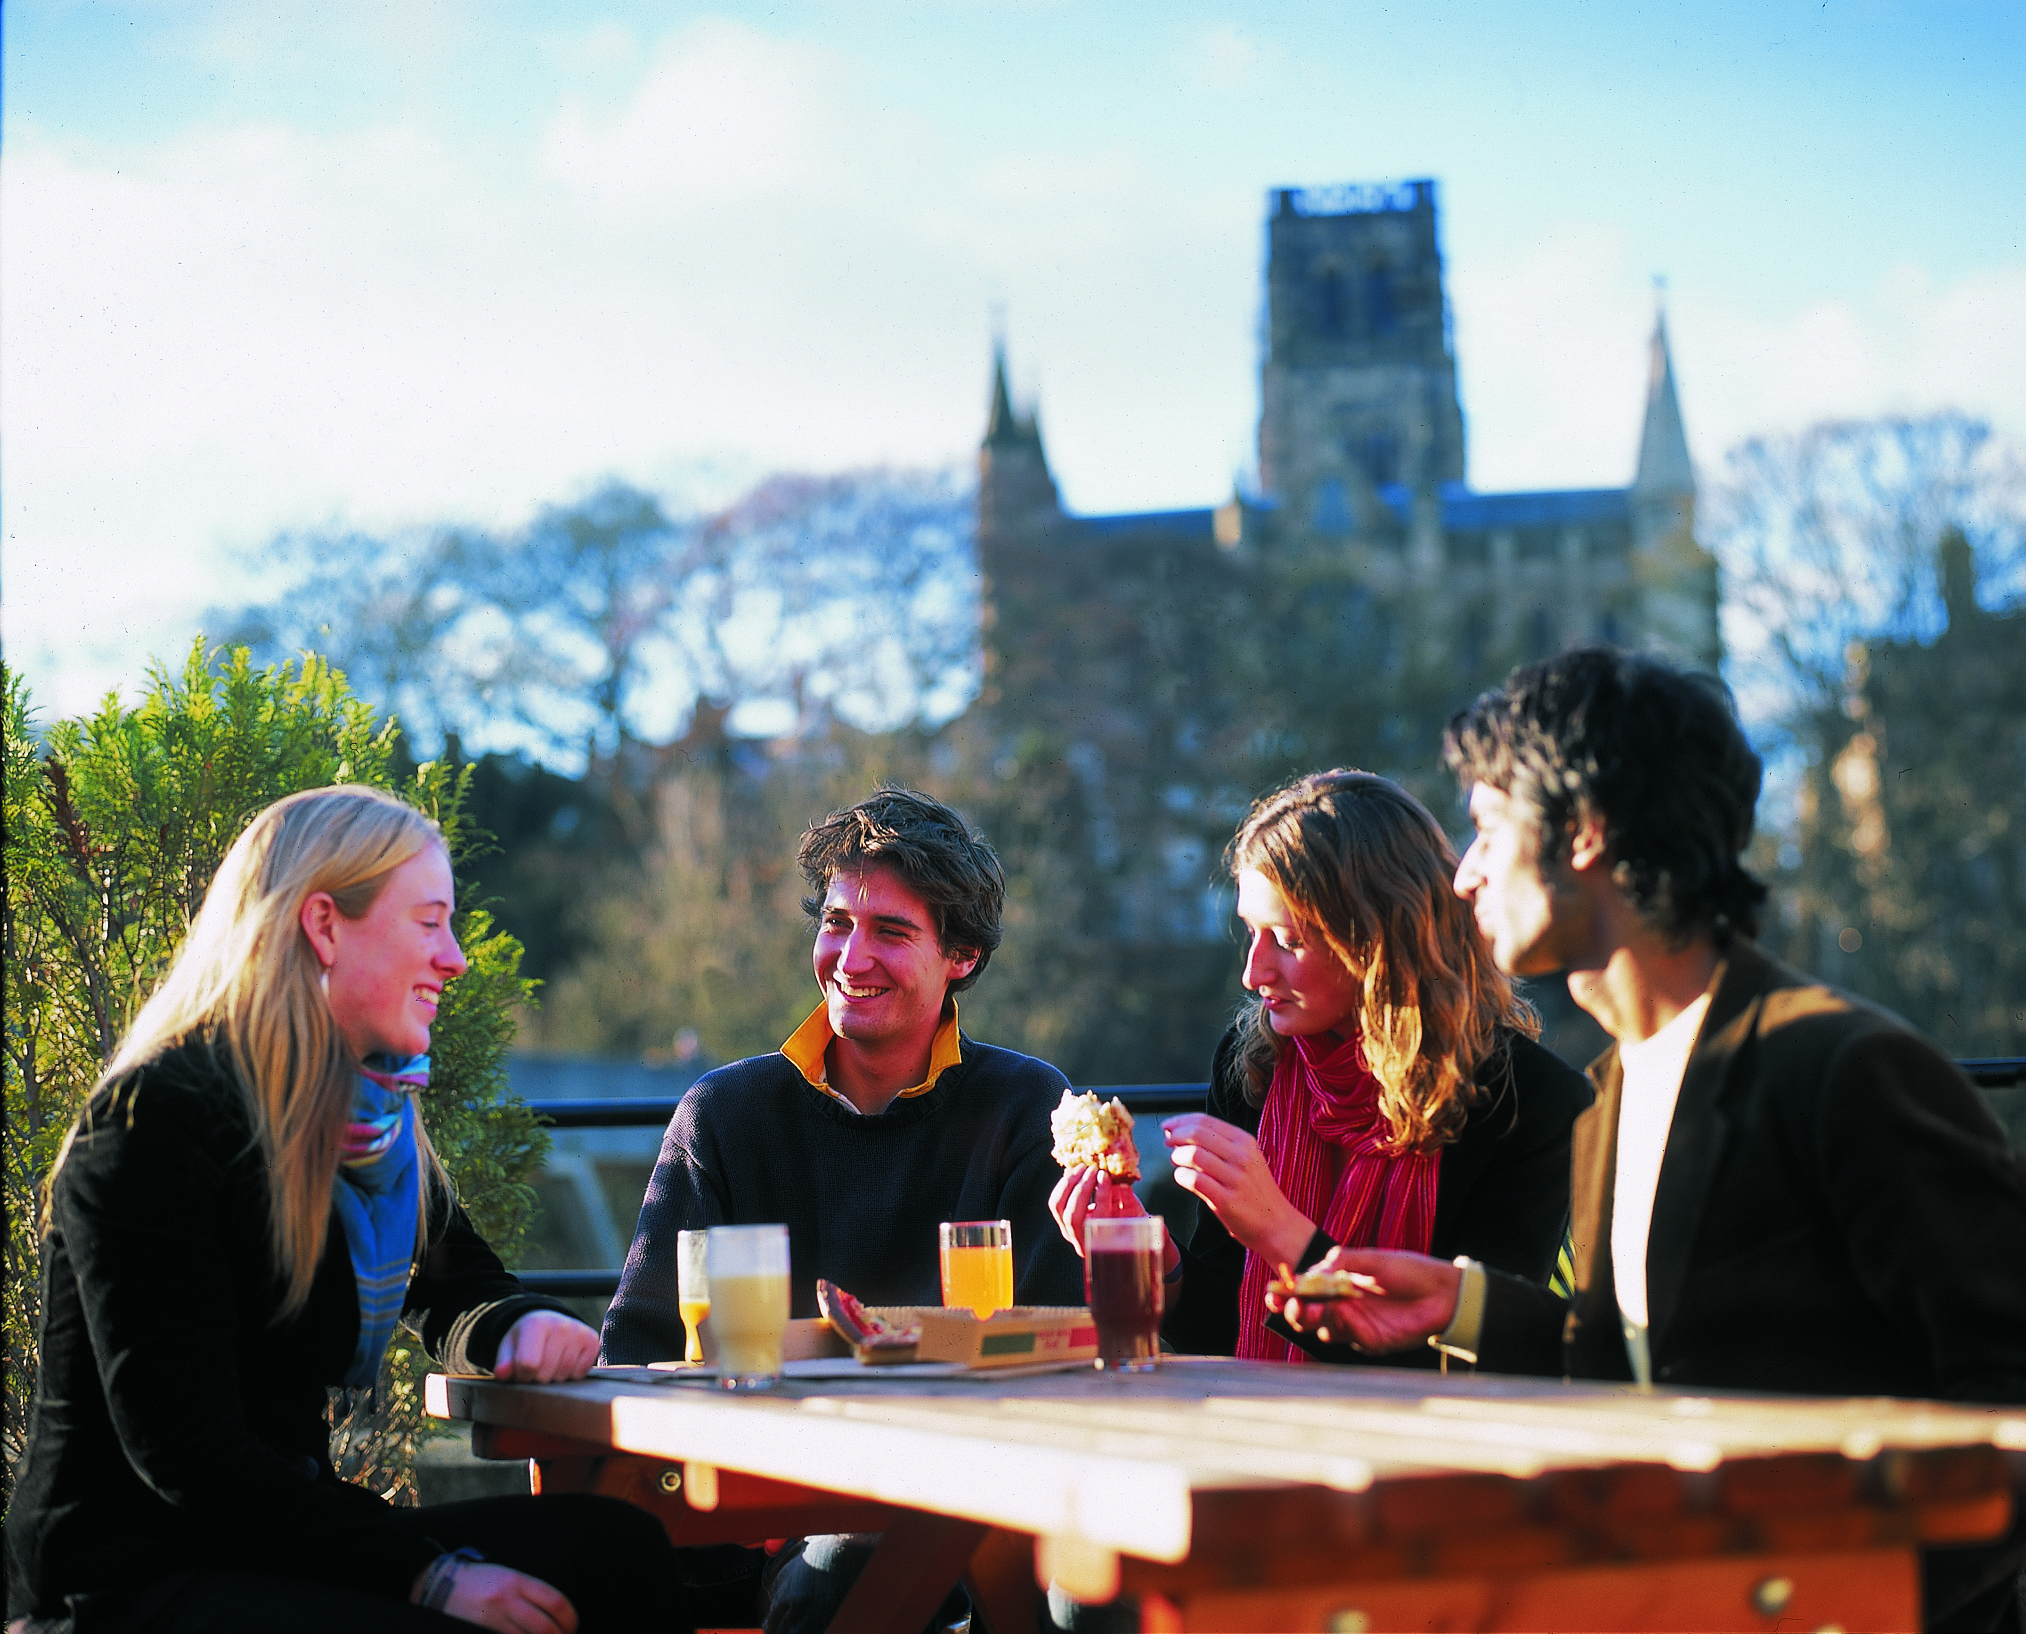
column 1307, row 989
column 388, row 969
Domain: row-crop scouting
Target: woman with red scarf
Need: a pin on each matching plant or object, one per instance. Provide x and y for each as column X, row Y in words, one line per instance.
column 1381, row 1087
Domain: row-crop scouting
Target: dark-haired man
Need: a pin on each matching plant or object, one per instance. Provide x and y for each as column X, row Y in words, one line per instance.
column 875, row 1121
column 1779, row 1187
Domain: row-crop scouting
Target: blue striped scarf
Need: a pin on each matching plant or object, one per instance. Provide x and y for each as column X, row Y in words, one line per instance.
column 378, row 1201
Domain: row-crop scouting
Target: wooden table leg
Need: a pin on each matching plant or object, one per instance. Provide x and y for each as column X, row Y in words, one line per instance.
column 919, row 1560
column 1000, row 1580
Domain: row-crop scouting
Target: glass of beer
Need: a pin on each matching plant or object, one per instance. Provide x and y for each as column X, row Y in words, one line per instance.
column 977, row 1264
column 692, row 1288
column 748, row 1271
column 1122, row 1279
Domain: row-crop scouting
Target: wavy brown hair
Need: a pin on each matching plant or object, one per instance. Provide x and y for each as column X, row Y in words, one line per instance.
column 1363, row 866
column 246, row 982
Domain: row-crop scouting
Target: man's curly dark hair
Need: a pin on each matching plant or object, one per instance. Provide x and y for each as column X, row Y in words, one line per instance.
column 1655, row 752
column 934, row 852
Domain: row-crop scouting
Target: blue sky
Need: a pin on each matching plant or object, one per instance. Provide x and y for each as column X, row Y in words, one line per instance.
column 269, row 266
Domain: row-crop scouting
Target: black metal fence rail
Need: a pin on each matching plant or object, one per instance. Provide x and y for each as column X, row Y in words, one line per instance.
column 1988, row 1072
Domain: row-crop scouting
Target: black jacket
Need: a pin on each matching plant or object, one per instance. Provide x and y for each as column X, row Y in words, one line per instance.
column 1837, row 1213
column 175, row 1422
column 1502, row 1194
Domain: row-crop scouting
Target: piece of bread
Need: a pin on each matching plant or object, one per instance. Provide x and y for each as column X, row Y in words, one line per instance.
column 1318, row 1284
column 1094, row 1134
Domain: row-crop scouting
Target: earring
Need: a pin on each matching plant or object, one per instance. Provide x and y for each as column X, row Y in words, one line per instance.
column 324, row 981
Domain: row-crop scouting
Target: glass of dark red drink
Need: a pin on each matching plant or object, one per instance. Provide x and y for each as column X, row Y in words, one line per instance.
column 1122, row 1278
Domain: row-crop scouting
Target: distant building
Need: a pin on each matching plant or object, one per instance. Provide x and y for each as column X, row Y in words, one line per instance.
column 1180, row 661
column 1911, row 887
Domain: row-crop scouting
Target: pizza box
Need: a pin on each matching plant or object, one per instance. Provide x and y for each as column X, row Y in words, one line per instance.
column 1019, row 1337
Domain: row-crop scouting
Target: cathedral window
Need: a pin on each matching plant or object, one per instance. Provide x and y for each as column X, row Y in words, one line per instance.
column 1377, row 454
column 1330, row 303
column 1330, row 513
column 1381, row 316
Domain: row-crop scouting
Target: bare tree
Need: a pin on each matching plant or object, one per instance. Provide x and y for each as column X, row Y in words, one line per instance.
column 1878, row 579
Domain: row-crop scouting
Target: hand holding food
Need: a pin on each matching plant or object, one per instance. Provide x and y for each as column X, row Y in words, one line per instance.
column 1396, row 1299
column 1095, row 1134
column 1090, row 1194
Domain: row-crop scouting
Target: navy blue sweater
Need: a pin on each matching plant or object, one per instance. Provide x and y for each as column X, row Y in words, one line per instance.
column 754, row 1143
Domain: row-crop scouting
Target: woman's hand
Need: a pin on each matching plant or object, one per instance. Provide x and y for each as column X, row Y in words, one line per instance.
column 1224, row 1166
column 543, row 1347
column 1416, row 1296
column 512, row 1602
column 1090, row 1194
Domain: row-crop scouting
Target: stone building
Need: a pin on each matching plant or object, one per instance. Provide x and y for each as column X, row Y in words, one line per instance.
column 1179, row 662
column 1361, row 473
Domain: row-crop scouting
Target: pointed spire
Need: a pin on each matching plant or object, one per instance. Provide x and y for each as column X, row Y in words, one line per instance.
column 1000, row 425
column 1664, row 466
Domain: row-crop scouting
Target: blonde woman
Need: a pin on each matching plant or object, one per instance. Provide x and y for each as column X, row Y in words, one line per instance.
column 246, row 1205
column 1382, row 1085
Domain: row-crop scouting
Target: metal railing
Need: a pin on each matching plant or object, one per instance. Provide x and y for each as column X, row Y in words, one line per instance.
column 1986, row 1072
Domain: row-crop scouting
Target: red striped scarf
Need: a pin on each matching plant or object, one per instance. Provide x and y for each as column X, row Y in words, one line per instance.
column 1321, row 1128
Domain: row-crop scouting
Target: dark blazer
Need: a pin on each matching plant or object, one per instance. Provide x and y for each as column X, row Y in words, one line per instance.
column 1837, row 1213
column 177, row 1424
column 1502, row 1195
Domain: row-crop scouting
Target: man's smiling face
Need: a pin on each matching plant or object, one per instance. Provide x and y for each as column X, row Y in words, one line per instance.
column 883, row 972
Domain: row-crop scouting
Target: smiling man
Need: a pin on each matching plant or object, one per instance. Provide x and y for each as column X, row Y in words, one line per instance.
column 878, row 1118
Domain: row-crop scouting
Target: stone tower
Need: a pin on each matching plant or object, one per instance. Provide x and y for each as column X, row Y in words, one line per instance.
column 1358, row 390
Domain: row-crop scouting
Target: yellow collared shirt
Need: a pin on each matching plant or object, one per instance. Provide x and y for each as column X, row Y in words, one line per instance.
column 809, row 1046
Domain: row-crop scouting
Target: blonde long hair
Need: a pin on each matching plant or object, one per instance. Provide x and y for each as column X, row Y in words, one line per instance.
column 247, row 981
column 1362, row 864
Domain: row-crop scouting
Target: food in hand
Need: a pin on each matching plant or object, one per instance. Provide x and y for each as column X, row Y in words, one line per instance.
column 873, row 1339
column 1094, row 1134
column 1317, row 1284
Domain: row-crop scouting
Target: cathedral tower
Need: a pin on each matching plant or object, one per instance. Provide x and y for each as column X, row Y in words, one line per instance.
column 1358, row 391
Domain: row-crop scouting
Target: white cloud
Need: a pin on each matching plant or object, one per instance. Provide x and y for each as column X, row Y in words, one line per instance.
column 1552, row 346
column 723, row 113
column 1229, row 57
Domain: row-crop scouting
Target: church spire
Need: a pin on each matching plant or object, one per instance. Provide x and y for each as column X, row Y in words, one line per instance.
column 1002, row 425
column 1664, row 466
column 1014, row 486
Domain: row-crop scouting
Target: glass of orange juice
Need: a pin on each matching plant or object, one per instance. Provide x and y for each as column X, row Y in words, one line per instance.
column 977, row 1264
column 692, row 1288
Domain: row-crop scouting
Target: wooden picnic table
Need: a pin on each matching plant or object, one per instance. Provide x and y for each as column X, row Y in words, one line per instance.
column 1234, row 1495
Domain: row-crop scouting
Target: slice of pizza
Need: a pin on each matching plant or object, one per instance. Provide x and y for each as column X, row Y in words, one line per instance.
column 872, row 1339
column 1094, row 1134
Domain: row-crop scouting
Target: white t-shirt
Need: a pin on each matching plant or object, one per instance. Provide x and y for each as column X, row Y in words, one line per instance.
column 1653, row 1069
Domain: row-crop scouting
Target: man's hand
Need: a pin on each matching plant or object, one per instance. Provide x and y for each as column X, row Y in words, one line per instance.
column 1416, row 1298
column 1224, row 1166
column 498, row 1597
column 543, row 1347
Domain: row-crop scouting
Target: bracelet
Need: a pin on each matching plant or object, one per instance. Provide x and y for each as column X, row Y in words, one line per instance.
column 433, row 1592
column 1170, row 1278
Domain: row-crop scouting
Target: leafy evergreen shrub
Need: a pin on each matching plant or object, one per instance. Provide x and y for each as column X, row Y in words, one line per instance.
column 115, row 824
